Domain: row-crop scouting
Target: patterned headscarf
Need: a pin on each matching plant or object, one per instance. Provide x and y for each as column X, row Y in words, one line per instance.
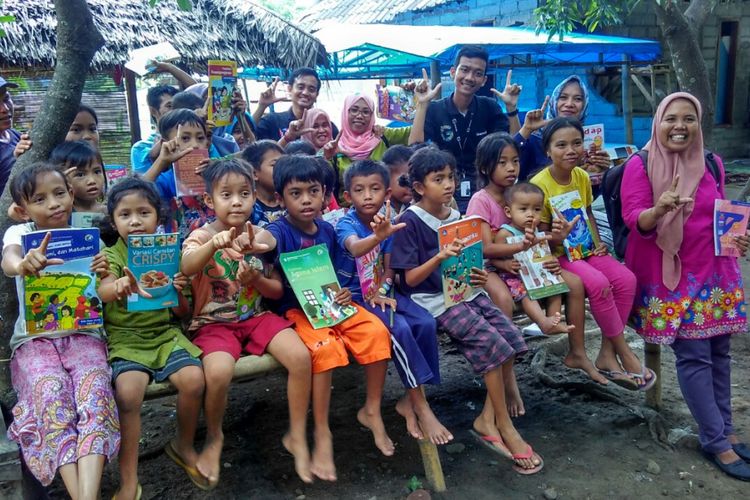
column 552, row 108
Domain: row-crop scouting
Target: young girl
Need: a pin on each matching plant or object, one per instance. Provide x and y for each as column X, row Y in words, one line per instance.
column 262, row 156
column 609, row 285
column 85, row 127
column 483, row 334
column 82, row 165
column 147, row 345
column 65, row 418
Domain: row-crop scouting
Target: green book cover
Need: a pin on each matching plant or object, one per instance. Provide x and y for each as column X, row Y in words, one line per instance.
column 311, row 275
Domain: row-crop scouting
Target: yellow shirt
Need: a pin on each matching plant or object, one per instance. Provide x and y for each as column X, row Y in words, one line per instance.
column 579, row 181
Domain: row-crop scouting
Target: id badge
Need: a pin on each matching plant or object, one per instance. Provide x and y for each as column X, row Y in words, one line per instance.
column 465, row 189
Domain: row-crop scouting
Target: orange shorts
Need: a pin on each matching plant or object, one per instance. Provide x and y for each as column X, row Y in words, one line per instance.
column 363, row 335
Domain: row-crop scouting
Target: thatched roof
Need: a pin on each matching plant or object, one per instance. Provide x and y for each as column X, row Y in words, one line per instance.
column 236, row 30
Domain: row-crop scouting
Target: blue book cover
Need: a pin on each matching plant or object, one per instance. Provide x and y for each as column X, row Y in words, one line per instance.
column 154, row 259
column 63, row 298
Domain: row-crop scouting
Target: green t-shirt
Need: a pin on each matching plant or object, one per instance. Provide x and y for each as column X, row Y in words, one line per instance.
column 145, row 337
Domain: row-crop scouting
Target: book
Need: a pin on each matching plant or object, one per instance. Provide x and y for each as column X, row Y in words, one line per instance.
column 370, row 271
column 63, row 298
column 310, row 274
column 222, row 84
column 593, row 135
column 580, row 243
column 395, row 103
column 115, row 173
column 249, row 299
column 455, row 271
column 187, row 182
column 539, row 282
column 730, row 220
column 334, row 216
column 154, row 259
column 142, row 60
column 86, row 219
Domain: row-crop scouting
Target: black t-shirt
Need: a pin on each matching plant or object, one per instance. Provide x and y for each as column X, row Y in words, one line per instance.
column 7, row 160
column 274, row 125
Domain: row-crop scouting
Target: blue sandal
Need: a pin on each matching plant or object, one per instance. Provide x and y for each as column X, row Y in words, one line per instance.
column 737, row 469
column 742, row 450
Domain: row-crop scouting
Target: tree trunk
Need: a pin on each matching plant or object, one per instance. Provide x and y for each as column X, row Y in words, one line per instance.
column 78, row 40
column 683, row 39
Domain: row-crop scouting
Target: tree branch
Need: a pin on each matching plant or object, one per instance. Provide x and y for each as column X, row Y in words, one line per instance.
column 697, row 13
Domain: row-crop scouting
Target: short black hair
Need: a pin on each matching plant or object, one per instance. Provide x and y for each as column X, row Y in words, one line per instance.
column 559, row 123
column 132, row 185
column 364, row 168
column 472, row 52
column 300, row 147
column 521, row 187
column 300, row 72
column 424, row 162
column 397, row 154
column 153, row 97
column 489, row 150
column 23, row 184
column 299, row 168
column 330, row 180
column 176, row 117
column 78, row 154
column 83, row 108
column 255, row 151
column 187, row 100
column 220, row 168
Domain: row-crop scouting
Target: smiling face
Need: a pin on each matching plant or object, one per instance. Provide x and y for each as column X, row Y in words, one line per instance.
column 322, row 132
column 232, row 199
column 566, row 148
column 571, row 101
column 359, row 116
column 303, row 91
column 469, row 75
column 51, row 203
column 134, row 214
column 84, row 128
column 680, row 126
column 88, row 182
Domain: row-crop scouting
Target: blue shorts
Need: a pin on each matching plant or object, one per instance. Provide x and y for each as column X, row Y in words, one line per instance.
column 177, row 360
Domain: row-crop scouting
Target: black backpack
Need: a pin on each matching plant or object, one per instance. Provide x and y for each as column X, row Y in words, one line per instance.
column 611, row 183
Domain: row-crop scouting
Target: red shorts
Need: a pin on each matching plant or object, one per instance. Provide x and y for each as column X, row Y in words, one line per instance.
column 252, row 335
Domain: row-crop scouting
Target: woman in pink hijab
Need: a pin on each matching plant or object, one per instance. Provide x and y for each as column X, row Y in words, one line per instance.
column 318, row 129
column 687, row 297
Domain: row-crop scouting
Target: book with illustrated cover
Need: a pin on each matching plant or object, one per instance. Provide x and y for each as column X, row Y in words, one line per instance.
column 187, row 182
column 539, row 282
column 222, row 83
column 142, row 60
column 593, row 135
column 63, row 298
column 249, row 299
column 580, row 243
column 310, row 274
column 455, row 271
column 370, row 271
column 154, row 259
column 730, row 220
column 334, row 216
column 115, row 173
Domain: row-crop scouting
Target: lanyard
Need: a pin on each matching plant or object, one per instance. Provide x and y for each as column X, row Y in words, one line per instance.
column 462, row 143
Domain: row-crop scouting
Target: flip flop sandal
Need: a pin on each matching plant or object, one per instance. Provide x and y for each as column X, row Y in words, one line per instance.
column 640, row 379
column 138, row 493
column 493, row 443
column 623, row 379
column 193, row 474
column 526, row 456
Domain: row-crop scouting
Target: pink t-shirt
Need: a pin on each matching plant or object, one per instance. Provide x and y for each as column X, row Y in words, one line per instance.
column 484, row 206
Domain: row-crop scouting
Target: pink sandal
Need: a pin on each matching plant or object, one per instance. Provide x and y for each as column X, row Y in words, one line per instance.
column 527, row 456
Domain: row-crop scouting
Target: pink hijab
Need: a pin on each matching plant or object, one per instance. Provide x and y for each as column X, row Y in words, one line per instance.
column 357, row 146
column 662, row 166
column 312, row 115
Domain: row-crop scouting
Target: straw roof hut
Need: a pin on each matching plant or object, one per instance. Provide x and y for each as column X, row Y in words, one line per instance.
column 236, row 30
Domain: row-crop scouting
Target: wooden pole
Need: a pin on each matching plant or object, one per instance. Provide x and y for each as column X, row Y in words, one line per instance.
column 435, row 75
column 132, row 100
column 432, row 468
column 653, row 361
column 627, row 100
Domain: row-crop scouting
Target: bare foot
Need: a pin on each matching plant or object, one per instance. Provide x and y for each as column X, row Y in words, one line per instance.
column 127, row 492
column 374, row 422
column 406, row 410
column 513, row 399
column 584, row 364
column 298, row 448
column 433, row 429
column 553, row 325
column 186, row 453
column 322, row 458
column 484, row 429
column 632, row 364
column 518, row 446
column 208, row 463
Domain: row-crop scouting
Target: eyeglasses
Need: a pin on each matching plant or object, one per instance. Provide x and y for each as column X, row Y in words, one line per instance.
column 364, row 112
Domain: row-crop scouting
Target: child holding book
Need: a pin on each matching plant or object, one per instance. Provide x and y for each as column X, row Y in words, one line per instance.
column 610, row 286
column 299, row 181
column 483, row 334
column 65, row 418
column 365, row 239
column 262, row 156
column 147, row 345
column 229, row 317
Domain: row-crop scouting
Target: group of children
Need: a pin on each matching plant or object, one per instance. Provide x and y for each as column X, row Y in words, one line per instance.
column 270, row 203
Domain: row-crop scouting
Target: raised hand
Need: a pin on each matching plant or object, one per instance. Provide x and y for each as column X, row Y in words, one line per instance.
column 378, row 130
column 423, row 93
column 670, row 200
column 224, row 239
column 562, row 226
column 296, row 130
column 238, row 103
column 534, row 119
column 170, row 150
column 510, row 93
column 245, row 243
column 180, row 281
column 269, row 97
column 381, row 225
column 23, row 145
column 128, row 285
column 330, row 149
column 36, row 259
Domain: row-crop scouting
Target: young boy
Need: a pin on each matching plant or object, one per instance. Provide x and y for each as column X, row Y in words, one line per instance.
column 299, row 183
column 396, row 158
column 262, row 156
column 365, row 237
column 228, row 315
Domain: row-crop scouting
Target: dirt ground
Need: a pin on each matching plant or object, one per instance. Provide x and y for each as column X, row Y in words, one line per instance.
column 595, row 445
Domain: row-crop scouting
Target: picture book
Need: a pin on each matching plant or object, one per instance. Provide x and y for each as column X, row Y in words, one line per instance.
column 186, row 181
column 310, row 274
column 249, row 298
column 593, row 135
column 538, row 281
column 334, row 216
column 86, row 219
column 142, row 60
column 115, row 173
column 395, row 103
column 580, row 243
column 730, row 220
column 455, row 271
column 63, row 298
column 154, row 259
column 370, row 271
column 222, row 83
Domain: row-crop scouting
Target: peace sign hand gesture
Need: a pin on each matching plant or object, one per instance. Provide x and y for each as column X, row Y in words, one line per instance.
column 562, row 226
column 330, row 149
column 36, row 259
column 423, row 93
column 670, row 200
column 535, row 118
column 381, row 225
column 295, row 130
column 510, row 93
column 269, row 97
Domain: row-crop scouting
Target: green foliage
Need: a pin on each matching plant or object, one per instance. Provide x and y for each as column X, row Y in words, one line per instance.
column 185, row 5
column 414, row 484
column 282, row 8
column 558, row 17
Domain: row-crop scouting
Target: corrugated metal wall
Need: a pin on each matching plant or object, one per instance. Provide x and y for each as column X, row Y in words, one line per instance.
column 100, row 92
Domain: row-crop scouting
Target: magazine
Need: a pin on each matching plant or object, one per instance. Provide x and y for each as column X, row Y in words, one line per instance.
column 455, row 271
column 187, row 182
column 63, row 298
column 580, row 243
column 395, row 103
column 222, row 84
column 154, row 259
column 730, row 220
column 370, row 271
column 142, row 60
column 538, row 281
column 310, row 274
column 115, row 173
column 593, row 135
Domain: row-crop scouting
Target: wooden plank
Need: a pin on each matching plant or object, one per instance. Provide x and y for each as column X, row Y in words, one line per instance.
column 642, row 87
column 433, row 471
column 653, row 361
column 132, row 100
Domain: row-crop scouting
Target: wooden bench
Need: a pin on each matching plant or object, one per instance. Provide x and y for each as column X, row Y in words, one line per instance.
column 250, row 367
